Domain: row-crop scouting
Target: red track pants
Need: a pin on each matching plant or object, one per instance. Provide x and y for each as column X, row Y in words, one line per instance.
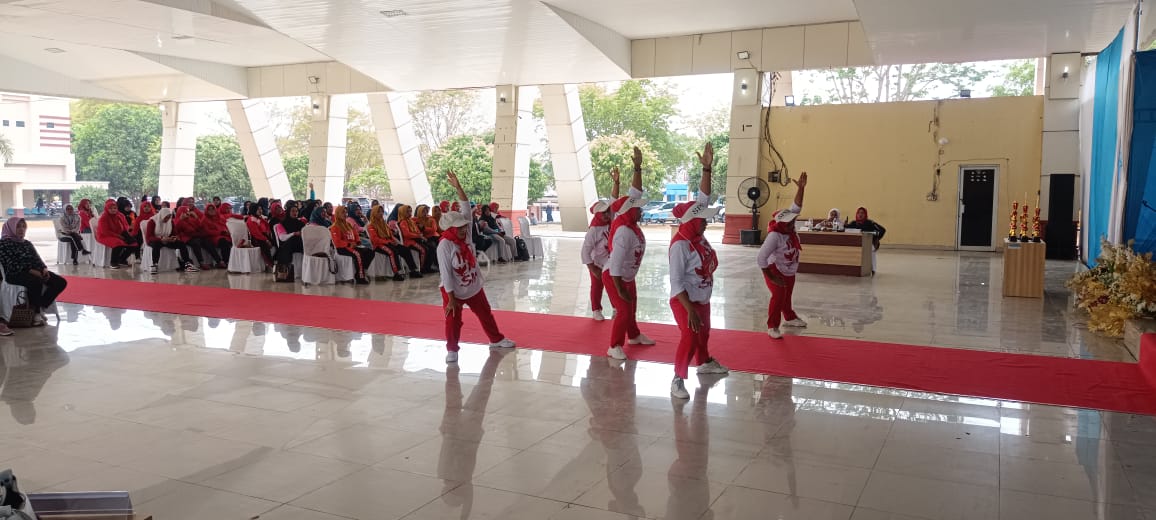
column 481, row 307
column 595, row 291
column 625, row 324
column 780, row 306
column 693, row 345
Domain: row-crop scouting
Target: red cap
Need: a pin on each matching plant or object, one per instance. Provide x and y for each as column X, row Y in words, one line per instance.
column 690, row 210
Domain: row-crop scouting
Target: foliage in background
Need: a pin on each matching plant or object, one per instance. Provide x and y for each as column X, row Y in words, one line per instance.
column 370, row 182
column 718, row 177
column 297, row 169
column 362, row 151
column 541, row 178
column 885, row 83
column 96, row 195
column 1121, row 287
column 363, row 158
column 1019, row 79
column 6, row 150
column 441, row 115
column 220, row 168
column 610, row 151
column 118, row 143
column 471, row 158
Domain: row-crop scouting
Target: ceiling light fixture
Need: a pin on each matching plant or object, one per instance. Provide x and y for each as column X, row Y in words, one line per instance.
column 394, row 13
column 182, row 37
column 54, row 50
column 789, row 101
column 313, row 80
column 744, row 55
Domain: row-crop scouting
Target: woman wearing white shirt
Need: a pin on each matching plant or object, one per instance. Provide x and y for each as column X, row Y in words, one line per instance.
column 596, row 247
column 692, row 265
column 627, row 245
column 461, row 281
column 779, row 260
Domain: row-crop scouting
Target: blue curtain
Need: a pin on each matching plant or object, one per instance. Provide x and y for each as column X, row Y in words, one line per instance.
column 1104, row 132
column 1140, row 204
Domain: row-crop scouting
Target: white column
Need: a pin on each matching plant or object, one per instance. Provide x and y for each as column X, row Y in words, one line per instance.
column 399, row 148
column 16, row 198
column 1061, row 137
column 743, row 156
column 327, row 147
column 570, row 154
column 513, row 134
column 178, row 153
column 259, row 147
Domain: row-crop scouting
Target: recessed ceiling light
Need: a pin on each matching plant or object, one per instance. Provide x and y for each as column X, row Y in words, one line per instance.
column 182, row 37
column 393, row 13
column 54, row 50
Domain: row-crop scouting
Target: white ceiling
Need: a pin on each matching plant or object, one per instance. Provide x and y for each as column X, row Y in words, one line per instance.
column 442, row 44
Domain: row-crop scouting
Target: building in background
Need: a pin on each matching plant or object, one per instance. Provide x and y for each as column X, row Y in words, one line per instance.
column 40, row 131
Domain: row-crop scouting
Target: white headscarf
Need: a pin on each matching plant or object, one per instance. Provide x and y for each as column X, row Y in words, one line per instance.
column 163, row 228
column 838, row 214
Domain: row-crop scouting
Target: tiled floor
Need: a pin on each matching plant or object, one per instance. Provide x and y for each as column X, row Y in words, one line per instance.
column 208, row 418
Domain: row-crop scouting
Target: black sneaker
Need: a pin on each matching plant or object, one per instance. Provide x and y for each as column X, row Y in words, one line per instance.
column 398, row 278
column 114, row 266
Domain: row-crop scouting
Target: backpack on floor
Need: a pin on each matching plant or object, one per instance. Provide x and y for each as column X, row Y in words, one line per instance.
column 523, row 252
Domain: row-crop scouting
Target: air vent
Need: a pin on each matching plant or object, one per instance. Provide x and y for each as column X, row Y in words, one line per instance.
column 54, row 50
column 394, row 13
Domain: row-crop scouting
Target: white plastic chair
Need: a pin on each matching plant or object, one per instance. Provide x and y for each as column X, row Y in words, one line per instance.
column 315, row 269
column 533, row 243
column 244, row 259
column 12, row 294
column 169, row 260
column 379, row 267
column 101, row 255
column 63, row 252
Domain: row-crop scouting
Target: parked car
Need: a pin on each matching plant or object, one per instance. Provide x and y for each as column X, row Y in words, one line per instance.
column 659, row 215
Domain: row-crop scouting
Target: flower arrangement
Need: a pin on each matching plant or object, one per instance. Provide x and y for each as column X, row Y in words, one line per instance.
column 1121, row 287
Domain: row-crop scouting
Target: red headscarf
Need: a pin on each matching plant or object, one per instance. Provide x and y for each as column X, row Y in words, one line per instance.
column 601, row 218
column 629, row 219
column 775, row 226
column 444, row 205
column 865, row 217
column 451, row 234
column 494, row 209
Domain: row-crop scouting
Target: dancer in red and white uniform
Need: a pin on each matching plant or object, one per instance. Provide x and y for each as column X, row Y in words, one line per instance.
column 596, row 247
column 779, row 260
column 627, row 245
column 692, row 265
column 461, row 280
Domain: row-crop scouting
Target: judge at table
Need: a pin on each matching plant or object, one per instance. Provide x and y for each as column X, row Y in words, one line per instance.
column 865, row 224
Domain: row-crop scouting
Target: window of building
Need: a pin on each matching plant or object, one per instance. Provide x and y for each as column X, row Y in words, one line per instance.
column 51, row 125
column 20, row 124
column 5, row 122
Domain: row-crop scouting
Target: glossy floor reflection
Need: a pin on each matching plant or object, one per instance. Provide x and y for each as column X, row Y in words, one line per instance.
column 949, row 299
column 203, row 418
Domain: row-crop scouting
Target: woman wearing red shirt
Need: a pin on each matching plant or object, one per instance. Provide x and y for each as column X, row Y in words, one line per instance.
column 84, row 209
column 112, row 232
column 187, row 227
column 259, row 233
column 413, row 238
column 348, row 243
column 385, row 243
column 216, row 236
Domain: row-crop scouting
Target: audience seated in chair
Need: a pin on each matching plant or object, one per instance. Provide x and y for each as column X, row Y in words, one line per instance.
column 23, row 266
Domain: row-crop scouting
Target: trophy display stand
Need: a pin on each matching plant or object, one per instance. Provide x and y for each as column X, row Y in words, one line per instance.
column 1023, row 257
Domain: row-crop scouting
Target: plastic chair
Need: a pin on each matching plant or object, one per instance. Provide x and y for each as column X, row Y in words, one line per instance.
column 63, row 252
column 12, row 294
column 168, row 261
column 244, row 259
column 379, row 267
column 315, row 269
column 533, row 243
column 101, row 255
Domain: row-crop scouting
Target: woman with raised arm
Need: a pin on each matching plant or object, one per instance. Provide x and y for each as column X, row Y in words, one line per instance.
column 692, row 265
column 596, row 247
column 461, row 280
column 627, row 245
column 779, row 261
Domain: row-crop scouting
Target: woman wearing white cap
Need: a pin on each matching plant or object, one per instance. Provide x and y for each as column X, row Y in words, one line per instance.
column 779, row 260
column 627, row 245
column 461, row 281
column 596, row 247
column 692, row 265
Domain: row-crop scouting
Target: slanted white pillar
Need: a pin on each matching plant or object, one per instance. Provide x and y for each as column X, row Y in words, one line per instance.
column 513, row 135
column 399, row 148
column 570, row 155
column 258, row 146
column 327, row 146
column 178, row 153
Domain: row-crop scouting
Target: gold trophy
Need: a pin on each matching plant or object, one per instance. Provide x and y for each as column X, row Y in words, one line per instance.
column 1011, row 232
column 1036, row 223
column 1024, row 225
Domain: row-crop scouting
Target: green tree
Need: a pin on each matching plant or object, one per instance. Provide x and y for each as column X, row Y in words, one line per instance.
column 119, row 143
column 362, row 151
column 1019, row 79
column 440, row 115
column 718, row 178
column 220, row 168
column 6, row 151
column 297, row 169
column 885, row 83
column 471, row 158
column 371, row 182
column 96, row 195
column 610, row 151
column 541, row 177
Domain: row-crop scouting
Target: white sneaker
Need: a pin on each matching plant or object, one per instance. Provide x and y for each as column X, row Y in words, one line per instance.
column 712, row 367
column 153, row 270
column 598, row 316
column 616, row 353
column 795, row 323
column 641, row 339
column 505, row 343
column 451, row 358
column 775, row 333
column 678, row 389
column 190, row 268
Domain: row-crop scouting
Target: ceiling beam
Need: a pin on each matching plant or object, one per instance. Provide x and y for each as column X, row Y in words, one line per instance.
column 613, row 45
column 231, row 78
column 20, row 76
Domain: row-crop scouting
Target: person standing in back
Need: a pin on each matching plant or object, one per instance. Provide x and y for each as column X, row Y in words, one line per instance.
column 461, row 280
column 596, row 247
column 778, row 258
column 627, row 245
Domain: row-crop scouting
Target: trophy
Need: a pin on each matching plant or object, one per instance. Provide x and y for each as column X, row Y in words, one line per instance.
column 1036, row 222
column 1024, row 225
column 1011, row 232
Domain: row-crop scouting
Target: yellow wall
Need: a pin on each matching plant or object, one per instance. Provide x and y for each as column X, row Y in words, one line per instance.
column 884, row 157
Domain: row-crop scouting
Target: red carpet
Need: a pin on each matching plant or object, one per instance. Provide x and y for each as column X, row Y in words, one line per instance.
column 1037, row 379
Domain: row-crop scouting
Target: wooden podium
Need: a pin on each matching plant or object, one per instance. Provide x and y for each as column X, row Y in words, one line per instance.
column 1023, row 269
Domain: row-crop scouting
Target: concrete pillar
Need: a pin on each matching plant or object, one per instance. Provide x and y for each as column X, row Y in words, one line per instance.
column 259, row 147
column 743, row 158
column 15, row 199
column 327, row 146
column 400, row 149
column 513, row 135
column 178, row 152
column 570, row 154
column 783, row 87
column 1061, row 139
